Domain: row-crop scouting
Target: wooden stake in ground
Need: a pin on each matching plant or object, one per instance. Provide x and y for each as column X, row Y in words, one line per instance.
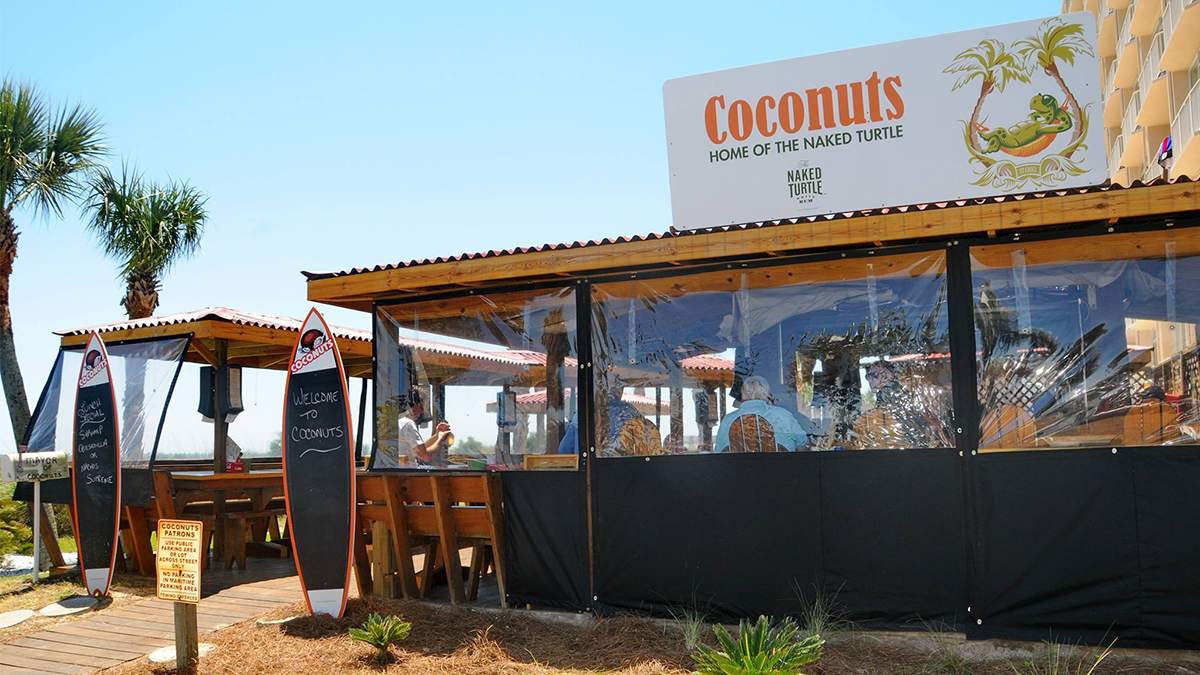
column 180, row 547
column 187, row 640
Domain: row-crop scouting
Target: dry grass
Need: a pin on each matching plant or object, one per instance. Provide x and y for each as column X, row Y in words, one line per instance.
column 448, row 639
column 443, row 640
column 18, row 593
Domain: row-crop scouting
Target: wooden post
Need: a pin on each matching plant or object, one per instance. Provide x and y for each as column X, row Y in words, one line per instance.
column 448, row 538
column 383, row 578
column 398, row 522
column 139, row 540
column 187, row 641
column 220, row 428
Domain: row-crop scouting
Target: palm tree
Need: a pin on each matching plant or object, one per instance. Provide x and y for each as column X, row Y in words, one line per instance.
column 994, row 66
column 146, row 227
column 44, row 156
column 1058, row 41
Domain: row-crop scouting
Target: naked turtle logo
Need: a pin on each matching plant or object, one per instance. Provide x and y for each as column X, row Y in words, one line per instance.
column 805, row 182
column 1052, row 115
column 313, row 343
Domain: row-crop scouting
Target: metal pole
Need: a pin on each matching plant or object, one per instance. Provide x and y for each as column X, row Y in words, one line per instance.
column 37, row 529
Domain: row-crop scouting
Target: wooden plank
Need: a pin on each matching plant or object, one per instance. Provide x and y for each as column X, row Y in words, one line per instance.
column 58, row 642
column 122, row 623
column 495, row 523
column 383, row 581
column 187, row 637
column 121, row 629
column 13, row 670
column 71, row 658
column 73, row 630
column 139, row 536
column 448, row 538
column 10, row 658
column 211, row 614
column 401, row 541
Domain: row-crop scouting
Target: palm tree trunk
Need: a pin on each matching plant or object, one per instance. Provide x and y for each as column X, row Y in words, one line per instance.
column 1052, row 71
column 10, row 368
column 141, row 299
column 973, row 134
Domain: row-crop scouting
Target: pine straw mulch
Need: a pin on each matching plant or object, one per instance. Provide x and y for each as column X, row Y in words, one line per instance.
column 447, row 639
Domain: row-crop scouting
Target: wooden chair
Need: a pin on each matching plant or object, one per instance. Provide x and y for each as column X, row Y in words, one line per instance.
column 753, row 433
column 1009, row 427
column 638, row 436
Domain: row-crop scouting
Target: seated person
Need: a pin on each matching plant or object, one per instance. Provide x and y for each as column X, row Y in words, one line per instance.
column 629, row 432
column 756, row 396
column 409, row 443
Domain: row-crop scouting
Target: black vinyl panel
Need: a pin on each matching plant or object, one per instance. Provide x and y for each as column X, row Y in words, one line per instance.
column 545, row 553
column 1168, row 528
column 731, row 535
column 1057, row 545
column 57, row 491
column 892, row 525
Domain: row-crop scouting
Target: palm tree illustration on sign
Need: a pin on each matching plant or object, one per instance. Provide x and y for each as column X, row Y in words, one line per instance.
column 997, row 65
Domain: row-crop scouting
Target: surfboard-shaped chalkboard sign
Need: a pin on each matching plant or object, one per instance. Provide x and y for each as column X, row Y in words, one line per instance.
column 96, row 468
column 318, row 468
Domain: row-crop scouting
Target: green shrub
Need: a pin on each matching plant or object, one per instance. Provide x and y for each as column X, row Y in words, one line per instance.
column 15, row 535
column 1059, row 661
column 760, row 648
column 381, row 632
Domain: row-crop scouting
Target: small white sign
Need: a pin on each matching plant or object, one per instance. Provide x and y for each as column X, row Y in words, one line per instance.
column 1001, row 110
column 27, row 466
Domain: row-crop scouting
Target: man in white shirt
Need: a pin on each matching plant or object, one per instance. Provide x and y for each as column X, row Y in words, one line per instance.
column 756, row 396
column 409, row 443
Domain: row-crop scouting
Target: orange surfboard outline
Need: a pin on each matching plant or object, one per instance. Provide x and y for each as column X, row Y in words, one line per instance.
column 112, row 560
column 287, row 499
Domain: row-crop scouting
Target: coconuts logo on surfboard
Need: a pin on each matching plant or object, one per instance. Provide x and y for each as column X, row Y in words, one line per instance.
column 318, row 468
column 314, row 343
column 94, row 365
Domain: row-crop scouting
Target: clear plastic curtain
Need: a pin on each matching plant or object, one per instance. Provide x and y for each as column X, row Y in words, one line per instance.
column 144, row 373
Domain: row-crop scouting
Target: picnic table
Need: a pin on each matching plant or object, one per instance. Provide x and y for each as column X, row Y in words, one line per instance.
column 227, row 503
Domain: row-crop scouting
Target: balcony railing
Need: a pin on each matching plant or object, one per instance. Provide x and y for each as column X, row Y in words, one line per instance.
column 1150, row 68
column 1185, row 123
column 1132, row 107
column 1110, row 82
column 1152, row 170
column 1114, row 154
column 1125, row 26
column 1172, row 11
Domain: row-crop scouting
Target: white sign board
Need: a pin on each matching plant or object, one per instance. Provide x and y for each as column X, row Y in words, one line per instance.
column 28, row 466
column 178, row 561
column 1007, row 109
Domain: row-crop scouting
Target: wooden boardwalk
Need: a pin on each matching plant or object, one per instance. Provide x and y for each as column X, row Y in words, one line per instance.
column 109, row 637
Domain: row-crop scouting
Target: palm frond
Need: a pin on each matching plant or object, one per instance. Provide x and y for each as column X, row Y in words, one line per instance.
column 145, row 226
column 43, row 157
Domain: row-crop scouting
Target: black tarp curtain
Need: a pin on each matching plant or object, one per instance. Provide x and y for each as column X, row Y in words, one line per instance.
column 1081, row 546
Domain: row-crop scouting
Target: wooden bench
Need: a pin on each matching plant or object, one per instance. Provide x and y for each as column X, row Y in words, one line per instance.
column 434, row 514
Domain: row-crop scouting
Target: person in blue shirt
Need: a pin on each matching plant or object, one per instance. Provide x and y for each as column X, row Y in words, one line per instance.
column 756, row 397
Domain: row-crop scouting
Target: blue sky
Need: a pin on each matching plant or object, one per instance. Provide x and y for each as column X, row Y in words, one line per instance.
column 330, row 136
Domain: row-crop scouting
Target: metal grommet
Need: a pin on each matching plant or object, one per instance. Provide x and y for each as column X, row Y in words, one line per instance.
column 959, row 430
column 1111, row 229
column 1114, row 451
column 972, row 453
column 960, row 453
column 968, row 609
column 647, row 459
column 978, row 622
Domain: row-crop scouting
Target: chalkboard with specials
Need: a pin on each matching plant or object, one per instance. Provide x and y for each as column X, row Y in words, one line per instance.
column 318, row 468
column 96, row 468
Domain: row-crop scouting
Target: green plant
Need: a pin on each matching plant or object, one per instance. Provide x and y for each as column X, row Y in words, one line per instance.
column 1060, row 660
column 691, row 625
column 44, row 156
column 381, row 632
column 761, row 647
column 819, row 615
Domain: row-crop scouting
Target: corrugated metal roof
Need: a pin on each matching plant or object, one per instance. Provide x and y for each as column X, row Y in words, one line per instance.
column 235, row 316
column 743, row 226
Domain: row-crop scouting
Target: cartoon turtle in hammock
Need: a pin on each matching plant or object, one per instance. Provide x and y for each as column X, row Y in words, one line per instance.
column 1029, row 137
